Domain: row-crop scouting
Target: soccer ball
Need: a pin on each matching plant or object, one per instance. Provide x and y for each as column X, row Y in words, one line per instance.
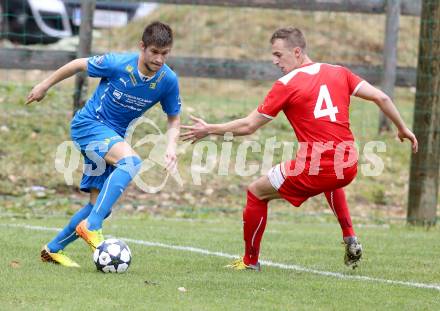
column 112, row 256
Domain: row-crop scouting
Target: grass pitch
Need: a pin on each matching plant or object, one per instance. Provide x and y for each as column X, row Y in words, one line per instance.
column 393, row 253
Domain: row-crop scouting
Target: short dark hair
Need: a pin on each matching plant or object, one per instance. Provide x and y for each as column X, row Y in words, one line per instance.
column 292, row 36
column 157, row 34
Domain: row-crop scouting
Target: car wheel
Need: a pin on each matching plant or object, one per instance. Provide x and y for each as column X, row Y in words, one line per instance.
column 22, row 28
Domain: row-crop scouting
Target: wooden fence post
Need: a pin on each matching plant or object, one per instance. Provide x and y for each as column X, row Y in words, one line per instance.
column 423, row 181
column 390, row 56
column 84, row 48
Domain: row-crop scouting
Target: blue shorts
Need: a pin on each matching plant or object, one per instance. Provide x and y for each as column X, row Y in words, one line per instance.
column 94, row 139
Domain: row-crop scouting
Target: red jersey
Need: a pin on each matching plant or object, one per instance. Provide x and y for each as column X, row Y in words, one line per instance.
column 315, row 99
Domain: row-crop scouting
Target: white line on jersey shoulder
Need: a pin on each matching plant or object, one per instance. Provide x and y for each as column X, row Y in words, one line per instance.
column 311, row 70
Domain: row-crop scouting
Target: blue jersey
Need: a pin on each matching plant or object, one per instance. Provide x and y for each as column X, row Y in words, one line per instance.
column 124, row 95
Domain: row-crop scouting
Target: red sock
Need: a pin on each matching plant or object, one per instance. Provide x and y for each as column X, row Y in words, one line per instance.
column 338, row 203
column 254, row 223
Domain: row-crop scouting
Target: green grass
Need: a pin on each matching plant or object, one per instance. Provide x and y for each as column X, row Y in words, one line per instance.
column 394, row 253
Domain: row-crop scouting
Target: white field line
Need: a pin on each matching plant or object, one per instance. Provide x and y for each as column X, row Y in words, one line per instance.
column 263, row 262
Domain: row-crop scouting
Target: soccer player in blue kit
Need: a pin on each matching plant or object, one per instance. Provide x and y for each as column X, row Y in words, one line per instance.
column 131, row 83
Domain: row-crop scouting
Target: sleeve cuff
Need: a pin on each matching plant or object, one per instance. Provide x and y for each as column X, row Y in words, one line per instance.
column 266, row 116
column 356, row 89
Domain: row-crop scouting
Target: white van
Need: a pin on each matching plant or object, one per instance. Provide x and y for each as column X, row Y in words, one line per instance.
column 47, row 21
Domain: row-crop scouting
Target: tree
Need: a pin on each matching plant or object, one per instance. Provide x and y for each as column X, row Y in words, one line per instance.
column 423, row 183
column 84, row 48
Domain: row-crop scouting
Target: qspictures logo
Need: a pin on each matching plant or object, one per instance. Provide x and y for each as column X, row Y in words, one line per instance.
column 209, row 157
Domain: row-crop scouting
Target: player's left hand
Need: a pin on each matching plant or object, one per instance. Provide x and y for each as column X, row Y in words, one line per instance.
column 199, row 130
column 407, row 134
column 171, row 160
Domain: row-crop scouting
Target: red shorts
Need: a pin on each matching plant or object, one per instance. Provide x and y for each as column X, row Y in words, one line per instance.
column 298, row 187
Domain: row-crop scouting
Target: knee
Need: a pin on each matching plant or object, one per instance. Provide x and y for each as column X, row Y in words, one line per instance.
column 131, row 165
column 253, row 188
column 260, row 192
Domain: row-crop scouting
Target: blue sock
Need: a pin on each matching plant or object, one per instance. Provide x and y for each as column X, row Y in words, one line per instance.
column 68, row 235
column 114, row 186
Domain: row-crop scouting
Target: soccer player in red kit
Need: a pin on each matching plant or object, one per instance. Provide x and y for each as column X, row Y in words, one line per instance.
column 315, row 98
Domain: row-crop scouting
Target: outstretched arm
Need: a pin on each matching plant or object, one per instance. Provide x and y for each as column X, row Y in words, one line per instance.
column 369, row 92
column 66, row 71
column 173, row 135
column 239, row 127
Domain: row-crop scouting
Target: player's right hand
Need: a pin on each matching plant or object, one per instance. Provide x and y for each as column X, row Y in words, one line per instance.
column 37, row 93
column 195, row 132
column 407, row 134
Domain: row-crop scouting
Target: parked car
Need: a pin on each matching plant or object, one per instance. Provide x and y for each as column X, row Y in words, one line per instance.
column 47, row 21
column 107, row 14
column 34, row 21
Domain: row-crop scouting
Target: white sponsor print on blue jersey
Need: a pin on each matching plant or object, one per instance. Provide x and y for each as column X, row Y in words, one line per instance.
column 122, row 95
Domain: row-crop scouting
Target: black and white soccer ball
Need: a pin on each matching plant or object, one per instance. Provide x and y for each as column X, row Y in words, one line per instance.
column 112, row 256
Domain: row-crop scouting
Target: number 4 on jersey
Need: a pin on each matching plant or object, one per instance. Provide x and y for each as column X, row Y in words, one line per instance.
column 331, row 111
